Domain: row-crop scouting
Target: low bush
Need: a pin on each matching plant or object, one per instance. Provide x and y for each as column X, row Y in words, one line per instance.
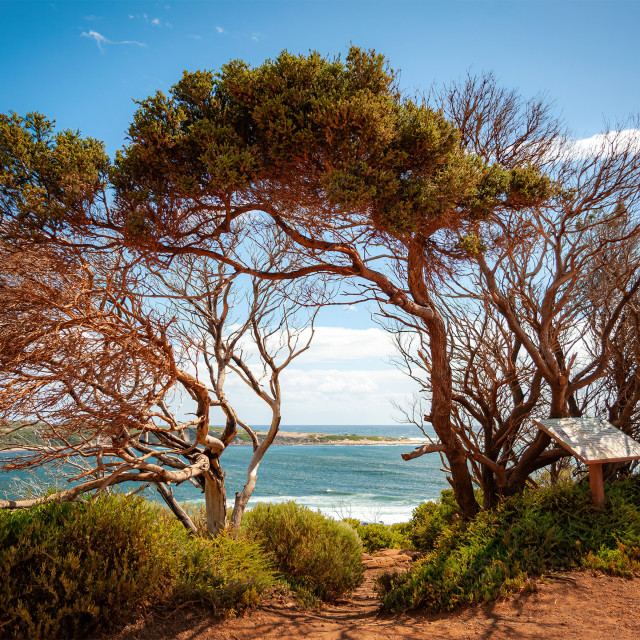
column 430, row 519
column 225, row 574
column 71, row 570
column 499, row 551
column 314, row 553
column 376, row 536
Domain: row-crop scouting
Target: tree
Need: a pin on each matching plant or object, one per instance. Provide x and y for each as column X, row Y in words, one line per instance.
column 223, row 322
column 93, row 367
column 543, row 325
column 86, row 364
column 495, row 389
column 366, row 183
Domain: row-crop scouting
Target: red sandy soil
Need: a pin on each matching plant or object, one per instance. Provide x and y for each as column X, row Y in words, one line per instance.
column 578, row 605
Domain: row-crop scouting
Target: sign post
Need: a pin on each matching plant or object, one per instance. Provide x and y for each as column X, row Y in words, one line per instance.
column 596, row 483
column 594, row 442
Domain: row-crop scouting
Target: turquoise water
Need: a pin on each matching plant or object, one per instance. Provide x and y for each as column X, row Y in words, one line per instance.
column 371, row 483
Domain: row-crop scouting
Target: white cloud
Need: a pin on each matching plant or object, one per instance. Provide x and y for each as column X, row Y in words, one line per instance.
column 333, row 345
column 601, row 145
column 327, row 383
column 220, row 30
column 156, row 22
column 606, row 143
column 339, row 343
column 101, row 41
column 321, row 396
column 343, row 396
column 255, row 37
column 343, row 378
column 193, row 36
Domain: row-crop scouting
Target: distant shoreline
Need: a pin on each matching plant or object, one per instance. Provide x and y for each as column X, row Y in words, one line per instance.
column 299, row 438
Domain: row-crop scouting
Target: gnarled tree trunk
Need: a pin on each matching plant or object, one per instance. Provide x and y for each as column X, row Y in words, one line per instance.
column 215, row 497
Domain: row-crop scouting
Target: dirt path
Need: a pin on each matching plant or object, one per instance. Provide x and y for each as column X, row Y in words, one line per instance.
column 576, row 606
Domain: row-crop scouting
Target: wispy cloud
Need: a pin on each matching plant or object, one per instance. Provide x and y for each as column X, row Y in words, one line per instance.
column 154, row 22
column 220, row 30
column 193, row 36
column 102, row 41
column 255, row 37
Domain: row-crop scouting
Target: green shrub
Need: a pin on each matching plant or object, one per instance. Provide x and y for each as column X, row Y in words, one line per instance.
column 499, row 551
column 376, row 536
column 223, row 573
column 430, row 519
column 72, row 570
column 314, row 553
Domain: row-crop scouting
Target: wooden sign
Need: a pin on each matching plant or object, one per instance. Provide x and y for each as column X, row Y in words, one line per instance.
column 594, row 441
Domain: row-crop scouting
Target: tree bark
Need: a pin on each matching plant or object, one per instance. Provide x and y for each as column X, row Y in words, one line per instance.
column 178, row 511
column 215, row 498
column 244, row 496
column 441, row 384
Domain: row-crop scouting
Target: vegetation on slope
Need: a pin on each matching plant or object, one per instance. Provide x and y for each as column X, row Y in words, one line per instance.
column 70, row 570
column 316, row 555
column 526, row 536
column 74, row 569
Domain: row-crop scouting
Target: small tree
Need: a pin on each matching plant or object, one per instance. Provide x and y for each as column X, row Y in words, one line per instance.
column 253, row 333
column 86, row 362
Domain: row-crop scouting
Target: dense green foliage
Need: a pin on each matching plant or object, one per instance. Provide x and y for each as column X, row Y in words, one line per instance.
column 305, row 133
column 430, row 519
column 223, row 573
column 544, row 530
column 70, row 570
column 46, row 178
column 314, row 553
column 376, row 536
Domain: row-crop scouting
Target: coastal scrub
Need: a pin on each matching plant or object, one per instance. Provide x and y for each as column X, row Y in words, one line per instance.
column 526, row 536
column 314, row 553
column 71, row 570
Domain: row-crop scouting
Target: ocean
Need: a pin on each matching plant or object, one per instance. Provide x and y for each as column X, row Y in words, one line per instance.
column 368, row 482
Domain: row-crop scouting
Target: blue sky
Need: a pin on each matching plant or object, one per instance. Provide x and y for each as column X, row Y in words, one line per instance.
column 82, row 63
column 582, row 53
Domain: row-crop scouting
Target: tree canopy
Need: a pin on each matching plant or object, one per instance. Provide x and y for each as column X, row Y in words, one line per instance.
column 359, row 179
column 323, row 141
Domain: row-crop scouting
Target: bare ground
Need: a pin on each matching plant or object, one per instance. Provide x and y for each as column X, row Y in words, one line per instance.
column 578, row 605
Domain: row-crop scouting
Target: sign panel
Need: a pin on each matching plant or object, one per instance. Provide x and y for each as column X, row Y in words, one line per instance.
column 592, row 440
